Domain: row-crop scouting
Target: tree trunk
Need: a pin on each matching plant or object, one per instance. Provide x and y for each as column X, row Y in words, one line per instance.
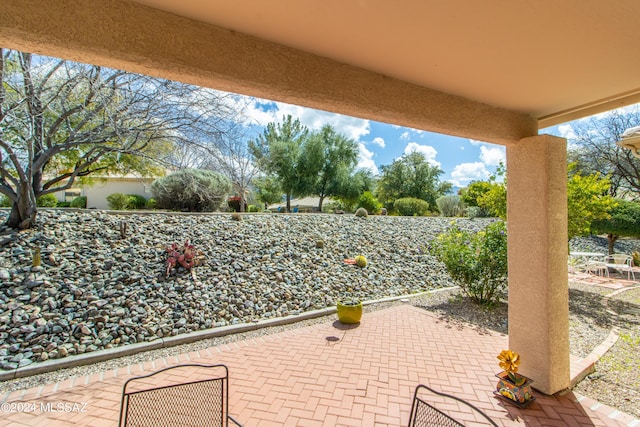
column 320, row 203
column 612, row 241
column 288, row 202
column 23, row 213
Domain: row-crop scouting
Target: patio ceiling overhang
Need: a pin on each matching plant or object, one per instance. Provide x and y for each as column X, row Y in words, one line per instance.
column 493, row 70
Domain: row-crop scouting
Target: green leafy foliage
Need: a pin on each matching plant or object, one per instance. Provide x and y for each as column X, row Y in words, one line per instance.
column 476, row 261
column 369, row 202
column 624, row 221
column 409, row 206
column 277, row 152
column 136, row 201
column 118, row 201
column 494, row 201
column 411, row 176
column 450, row 206
column 79, row 202
column 588, row 201
column 191, row 190
column 47, row 201
column 151, row 203
column 5, row 202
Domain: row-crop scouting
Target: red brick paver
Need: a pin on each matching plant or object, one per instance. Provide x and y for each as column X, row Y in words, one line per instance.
column 331, row 375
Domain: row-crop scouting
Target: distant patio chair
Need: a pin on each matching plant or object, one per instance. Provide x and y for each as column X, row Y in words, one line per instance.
column 599, row 268
column 622, row 263
column 182, row 395
column 431, row 408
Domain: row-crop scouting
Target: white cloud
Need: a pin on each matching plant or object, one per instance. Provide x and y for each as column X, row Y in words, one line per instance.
column 365, row 159
column 474, row 142
column 352, row 127
column 378, row 141
column 566, row 131
column 428, row 151
column 492, row 156
column 464, row 173
column 405, row 136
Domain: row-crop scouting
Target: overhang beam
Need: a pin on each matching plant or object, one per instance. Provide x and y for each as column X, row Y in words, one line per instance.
column 126, row 35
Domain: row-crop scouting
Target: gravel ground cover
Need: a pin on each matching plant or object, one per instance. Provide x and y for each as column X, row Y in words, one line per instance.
column 77, row 247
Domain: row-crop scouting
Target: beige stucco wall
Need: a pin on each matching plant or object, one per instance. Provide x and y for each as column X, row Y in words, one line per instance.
column 97, row 193
column 538, row 246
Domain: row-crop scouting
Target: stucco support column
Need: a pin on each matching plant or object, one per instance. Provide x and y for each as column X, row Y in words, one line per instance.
column 537, row 248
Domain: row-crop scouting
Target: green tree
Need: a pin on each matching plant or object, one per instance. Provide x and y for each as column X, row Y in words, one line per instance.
column 326, row 163
column 472, row 192
column 411, row 176
column 268, row 190
column 277, row 152
column 624, row 222
column 588, row 201
column 62, row 121
column 357, row 184
column 494, row 201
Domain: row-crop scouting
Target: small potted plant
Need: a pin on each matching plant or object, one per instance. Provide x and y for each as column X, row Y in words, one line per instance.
column 349, row 310
column 514, row 387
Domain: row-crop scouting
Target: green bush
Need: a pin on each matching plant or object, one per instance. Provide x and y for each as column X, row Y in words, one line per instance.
column 47, row 201
column 476, row 261
column 136, row 201
column 5, row 201
column 151, row 203
column 474, row 212
column 450, row 206
column 191, row 190
column 411, row 207
column 369, row 202
column 79, row 202
column 254, row 208
column 118, row 201
column 64, row 204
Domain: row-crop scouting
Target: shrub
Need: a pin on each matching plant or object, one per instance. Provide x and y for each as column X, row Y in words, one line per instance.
column 236, row 216
column 118, row 201
column 476, row 261
column 449, row 206
column 411, row 207
column 5, row 201
column 254, row 208
column 369, row 202
column 47, row 201
column 151, row 203
column 79, row 202
column 136, row 201
column 361, row 213
column 474, row 212
column 191, row 190
column 64, row 204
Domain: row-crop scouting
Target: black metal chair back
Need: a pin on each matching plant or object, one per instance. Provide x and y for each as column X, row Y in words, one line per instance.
column 430, row 407
column 182, row 395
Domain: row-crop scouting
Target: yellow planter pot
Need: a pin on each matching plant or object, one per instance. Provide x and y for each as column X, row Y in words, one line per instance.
column 348, row 313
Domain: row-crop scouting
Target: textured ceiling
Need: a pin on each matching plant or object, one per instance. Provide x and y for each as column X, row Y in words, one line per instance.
column 554, row 60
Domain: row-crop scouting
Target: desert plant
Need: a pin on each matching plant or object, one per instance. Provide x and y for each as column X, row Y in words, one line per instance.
column 118, row 201
column 409, row 206
column 184, row 255
column 450, row 206
column 136, row 201
column 361, row 261
column 369, row 202
column 361, row 213
column 191, row 190
column 476, row 261
column 236, row 216
column 47, row 201
column 79, row 202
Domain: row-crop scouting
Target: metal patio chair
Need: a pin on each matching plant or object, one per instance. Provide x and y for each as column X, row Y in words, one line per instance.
column 622, row 263
column 431, row 408
column 182, row 395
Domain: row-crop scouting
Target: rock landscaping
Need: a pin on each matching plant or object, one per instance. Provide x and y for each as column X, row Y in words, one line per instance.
column 102, row 278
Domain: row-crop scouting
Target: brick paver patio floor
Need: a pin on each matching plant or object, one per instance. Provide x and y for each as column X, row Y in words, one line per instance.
column 330, row 375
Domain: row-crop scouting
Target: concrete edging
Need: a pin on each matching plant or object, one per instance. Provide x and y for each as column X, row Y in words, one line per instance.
column 130, row 349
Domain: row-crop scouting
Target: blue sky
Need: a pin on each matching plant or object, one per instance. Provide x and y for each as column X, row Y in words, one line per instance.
column 461, row 159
